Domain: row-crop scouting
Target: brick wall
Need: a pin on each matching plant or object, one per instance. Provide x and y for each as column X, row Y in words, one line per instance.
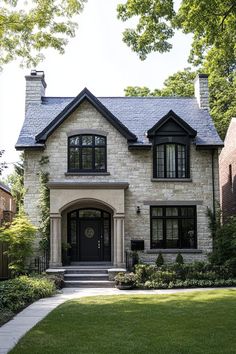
column 228, row 173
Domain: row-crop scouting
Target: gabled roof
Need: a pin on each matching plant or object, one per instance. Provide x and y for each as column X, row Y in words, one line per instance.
column 5, row 188
column 172, row 117
column 132, row 116
column 85, row 94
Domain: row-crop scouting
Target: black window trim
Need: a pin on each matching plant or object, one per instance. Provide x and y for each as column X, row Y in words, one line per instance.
column 187, row 159
column 179, row 217
column 93, row 146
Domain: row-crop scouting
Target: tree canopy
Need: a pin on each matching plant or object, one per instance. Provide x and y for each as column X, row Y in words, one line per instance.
column 27, row 28
column 212, row 23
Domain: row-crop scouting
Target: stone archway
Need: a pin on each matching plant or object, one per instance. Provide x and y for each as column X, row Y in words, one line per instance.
column 64, row 197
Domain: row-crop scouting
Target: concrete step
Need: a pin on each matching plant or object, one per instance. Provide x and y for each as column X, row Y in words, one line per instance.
column 89, row 284
column 79, row 276
column 86, row 271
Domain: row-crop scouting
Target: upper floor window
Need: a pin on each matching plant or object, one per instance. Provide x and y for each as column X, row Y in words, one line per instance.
column 171, row 161
column 87, row 153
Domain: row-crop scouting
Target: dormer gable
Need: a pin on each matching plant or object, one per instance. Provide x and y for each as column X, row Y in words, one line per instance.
column 85, row 94
column 171, row 125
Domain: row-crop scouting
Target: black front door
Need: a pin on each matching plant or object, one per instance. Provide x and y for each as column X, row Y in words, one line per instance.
column 89, row 240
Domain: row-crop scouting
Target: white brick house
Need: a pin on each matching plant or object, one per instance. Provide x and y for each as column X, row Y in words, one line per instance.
column 140, row 170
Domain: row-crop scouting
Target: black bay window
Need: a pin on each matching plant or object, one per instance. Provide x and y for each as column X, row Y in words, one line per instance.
column 87, row 153
column 173, row 227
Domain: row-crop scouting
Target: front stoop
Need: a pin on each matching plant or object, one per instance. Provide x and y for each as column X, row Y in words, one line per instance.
column 87, row 276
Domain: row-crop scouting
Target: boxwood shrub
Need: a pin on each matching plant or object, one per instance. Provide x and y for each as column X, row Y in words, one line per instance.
column 198, row 274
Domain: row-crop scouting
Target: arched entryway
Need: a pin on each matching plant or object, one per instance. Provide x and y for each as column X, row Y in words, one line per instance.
column 89, row 235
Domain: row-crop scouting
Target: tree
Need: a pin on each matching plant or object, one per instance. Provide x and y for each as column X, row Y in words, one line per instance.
column 178, row 84
column 212, row 23
column 19, row 236
column 27, row 29
column 3, row 164
column 16, row 181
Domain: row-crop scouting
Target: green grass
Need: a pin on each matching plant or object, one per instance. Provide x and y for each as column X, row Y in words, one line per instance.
column 193, row 323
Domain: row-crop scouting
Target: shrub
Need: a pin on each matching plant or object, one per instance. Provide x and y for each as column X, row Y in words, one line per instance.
column 17, row 293
column 19, row 236
column 159, row 260
column 144, row 272
column 125, row 278
column 224, row 250
column 179, row 259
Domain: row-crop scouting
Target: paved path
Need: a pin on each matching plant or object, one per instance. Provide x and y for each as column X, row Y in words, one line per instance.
column 12, row 331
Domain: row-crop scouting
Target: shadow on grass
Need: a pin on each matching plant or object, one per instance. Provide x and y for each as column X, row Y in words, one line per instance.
column 198, row 322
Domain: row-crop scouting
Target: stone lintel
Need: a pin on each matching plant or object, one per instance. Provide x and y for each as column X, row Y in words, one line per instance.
column 88, row 185
column 173, row 202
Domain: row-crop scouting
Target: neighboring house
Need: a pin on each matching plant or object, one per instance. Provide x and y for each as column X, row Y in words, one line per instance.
column 7, row 204
column 228, row 173
column 123, row 170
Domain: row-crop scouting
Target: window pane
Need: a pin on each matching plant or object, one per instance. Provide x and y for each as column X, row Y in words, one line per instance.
column 187, row 211
column 73, row 231
column 87, row 140
column 157, row 233
column 100, row 140
column 157, row 212
column 187, row 233
column 172, row 234
column 89, row 213
column 73, row 215
column 171, row 211
column 87, row 159
column 181, row 161
column 74, row 160
column 170, row 161
column 100, row 158
column 74, row 140
column 160, row 161
column 106, row 238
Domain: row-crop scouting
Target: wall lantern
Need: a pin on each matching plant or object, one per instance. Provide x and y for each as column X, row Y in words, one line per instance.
column 138, row 210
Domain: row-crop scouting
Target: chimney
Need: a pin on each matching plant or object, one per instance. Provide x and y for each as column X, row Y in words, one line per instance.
column 35, row 87
column 201, row 91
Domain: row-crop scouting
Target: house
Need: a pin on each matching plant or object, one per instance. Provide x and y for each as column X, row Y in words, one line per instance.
column 228, row 173
column 125, row 172
column 7, row 204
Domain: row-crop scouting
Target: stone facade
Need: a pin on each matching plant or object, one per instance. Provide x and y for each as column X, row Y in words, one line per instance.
column 135, row 168
column 228, row 173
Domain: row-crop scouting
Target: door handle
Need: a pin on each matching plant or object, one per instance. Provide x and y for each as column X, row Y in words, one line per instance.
column 99, row 244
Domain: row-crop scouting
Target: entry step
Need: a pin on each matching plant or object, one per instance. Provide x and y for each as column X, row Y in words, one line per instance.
column 89, row 284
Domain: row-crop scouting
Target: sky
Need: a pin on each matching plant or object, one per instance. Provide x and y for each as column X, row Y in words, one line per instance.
column 97, row 59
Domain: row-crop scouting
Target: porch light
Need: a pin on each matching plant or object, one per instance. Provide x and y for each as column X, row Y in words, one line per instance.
column 138, row 210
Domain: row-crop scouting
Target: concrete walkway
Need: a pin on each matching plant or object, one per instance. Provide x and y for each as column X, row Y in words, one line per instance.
column 12, row 331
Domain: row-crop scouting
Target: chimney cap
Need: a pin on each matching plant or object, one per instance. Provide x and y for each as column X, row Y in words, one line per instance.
column 201, row 76
column 36, row 75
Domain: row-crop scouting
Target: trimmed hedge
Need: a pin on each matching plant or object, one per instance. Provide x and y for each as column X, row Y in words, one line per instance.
column 15, row 294
column 198, row 274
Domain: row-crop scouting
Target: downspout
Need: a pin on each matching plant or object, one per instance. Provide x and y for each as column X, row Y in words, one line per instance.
column 213, row 184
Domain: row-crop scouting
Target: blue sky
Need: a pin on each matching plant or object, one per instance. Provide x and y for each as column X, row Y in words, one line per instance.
column 97, row 59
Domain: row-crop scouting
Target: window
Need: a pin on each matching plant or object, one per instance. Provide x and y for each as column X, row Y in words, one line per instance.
column 171, row 161
column 87, row 153
column 173, row 227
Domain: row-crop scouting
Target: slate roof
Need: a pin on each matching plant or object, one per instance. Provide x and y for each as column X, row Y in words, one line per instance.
column 137, row 114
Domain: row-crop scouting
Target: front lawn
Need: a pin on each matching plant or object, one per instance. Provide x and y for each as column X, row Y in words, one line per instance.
column 183, row 323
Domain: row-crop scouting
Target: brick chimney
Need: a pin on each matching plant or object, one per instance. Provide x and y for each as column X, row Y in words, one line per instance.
column 201, row 91
column 35, row 87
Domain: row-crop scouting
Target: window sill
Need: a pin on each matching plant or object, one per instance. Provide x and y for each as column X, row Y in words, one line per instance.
column 173, row 250
column 171, row 179
column 87, row 173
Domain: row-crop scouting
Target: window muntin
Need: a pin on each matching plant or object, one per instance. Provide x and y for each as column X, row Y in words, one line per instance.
column 87, row 153
column 171, row 161
column 173, row 227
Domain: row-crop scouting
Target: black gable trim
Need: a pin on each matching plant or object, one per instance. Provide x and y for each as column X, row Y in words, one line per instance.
column 72, row 106
column 179, row 122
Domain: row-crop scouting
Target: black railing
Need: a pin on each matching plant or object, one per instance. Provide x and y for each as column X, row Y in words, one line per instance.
column 40, row 263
